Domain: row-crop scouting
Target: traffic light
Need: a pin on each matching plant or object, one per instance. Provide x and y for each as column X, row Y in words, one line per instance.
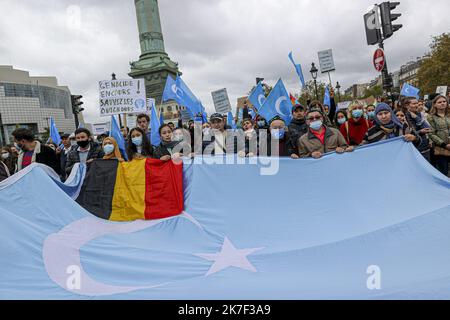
column 76, row 108
column 387, row 17
column 76, row 104
column 372, row 24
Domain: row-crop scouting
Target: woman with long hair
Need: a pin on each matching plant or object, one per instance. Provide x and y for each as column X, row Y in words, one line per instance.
column 139, row 146
column 439, row 120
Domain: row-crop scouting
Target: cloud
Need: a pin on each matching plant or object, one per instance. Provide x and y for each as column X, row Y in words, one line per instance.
column 218, row 43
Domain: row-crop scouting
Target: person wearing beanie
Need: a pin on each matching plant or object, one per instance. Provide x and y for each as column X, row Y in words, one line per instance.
column 387, row 126
column 297, row 128
column 111, row 149
column 320, row 139
column 356, row 127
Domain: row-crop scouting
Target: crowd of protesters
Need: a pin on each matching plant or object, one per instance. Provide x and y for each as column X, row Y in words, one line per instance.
column 315, row 130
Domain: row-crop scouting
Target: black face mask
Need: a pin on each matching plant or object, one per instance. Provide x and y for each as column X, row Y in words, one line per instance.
column 83, row 144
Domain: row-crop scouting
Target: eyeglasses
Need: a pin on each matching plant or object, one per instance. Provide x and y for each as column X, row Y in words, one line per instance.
column 314, row 118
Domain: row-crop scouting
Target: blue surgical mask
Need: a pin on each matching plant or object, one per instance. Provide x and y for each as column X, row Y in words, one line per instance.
column 261, row 123
column 177, row 138
column 371, row 114
column 316, row 125
column 137, row 141
column 108, row 149
column 357, row 113
column 341, row 121
column 278, row 134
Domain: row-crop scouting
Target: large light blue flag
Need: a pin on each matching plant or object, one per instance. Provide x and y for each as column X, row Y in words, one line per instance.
column 117, row 135
column 54, row 133
column 326, row 98
column 278, row 103
column 185, row 97
column 257, row 97
column 410, row 91
column 298, row 69
column 155, row 124
column 316, row 250
column 170, row 90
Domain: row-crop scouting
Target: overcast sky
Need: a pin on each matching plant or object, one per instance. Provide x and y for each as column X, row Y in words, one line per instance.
column 217, row 43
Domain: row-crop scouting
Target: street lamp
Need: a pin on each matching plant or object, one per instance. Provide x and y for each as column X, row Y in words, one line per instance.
column 314, row 72
column 338, row 87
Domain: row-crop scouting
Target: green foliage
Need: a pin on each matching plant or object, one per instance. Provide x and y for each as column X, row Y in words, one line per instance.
column 435, row 68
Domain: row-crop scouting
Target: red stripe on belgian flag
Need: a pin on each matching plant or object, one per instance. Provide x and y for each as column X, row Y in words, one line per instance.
column 164, row 189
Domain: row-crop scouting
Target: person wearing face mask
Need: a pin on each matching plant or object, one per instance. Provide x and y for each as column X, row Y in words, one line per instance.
column 139, row 146
column 370, row 111
column 261, row 123
column 297, row 128
column 320, row 139
column 277, row 140
column 85, row 152
column 9, row 159
column 4, row 171
column 250, row 148
column 111, row 149
column 388, row 127
column 171, row 146
column 340, row 119
column 356, row 127
column 33, row 151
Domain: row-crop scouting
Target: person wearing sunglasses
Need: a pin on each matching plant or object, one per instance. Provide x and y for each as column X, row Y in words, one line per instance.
column 320, row 138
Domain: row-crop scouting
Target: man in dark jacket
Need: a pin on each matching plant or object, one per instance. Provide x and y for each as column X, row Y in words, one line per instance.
column 297, row 128
column 85, row 152
column 32, row 151
column 62, row 153
column 219, row 141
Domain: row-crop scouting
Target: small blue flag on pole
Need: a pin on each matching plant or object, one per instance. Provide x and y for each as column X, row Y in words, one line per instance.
column 230, row 121
column 54, row 133
column 205, row 117
column 326, row 98
column 257, row 97
column 117, row 135
column 298, row 69
column 155, row 125
column 410, row 91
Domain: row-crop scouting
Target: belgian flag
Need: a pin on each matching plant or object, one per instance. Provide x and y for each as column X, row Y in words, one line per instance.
column 144, row 189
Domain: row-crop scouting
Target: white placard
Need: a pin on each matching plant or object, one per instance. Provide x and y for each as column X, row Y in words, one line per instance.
column 326, row 61
column 442, row 90
column 221, row 101
column 343, row 105
column 122, row 97
column 100, row 128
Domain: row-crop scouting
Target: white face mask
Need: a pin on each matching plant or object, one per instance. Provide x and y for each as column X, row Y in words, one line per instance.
column 5, row 155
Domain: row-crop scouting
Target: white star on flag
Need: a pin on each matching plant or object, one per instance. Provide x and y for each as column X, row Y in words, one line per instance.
column 229, row 256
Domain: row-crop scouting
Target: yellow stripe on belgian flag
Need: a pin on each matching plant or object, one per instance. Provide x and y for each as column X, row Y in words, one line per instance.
column 128, row 202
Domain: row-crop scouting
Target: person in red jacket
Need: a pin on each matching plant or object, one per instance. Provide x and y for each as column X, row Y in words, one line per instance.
column 356, row 126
